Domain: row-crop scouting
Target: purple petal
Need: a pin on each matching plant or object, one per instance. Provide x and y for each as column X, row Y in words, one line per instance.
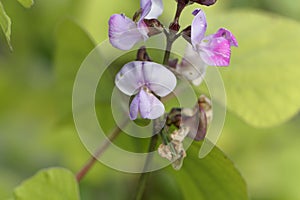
column 123, row 32
column 134, row 107
column 158, row 78
column 215, row 51
column 198, row 28
column 151, row 9
column 143, row 29
column 192, row 67
column 149, row 106
column 222, row 32
column 137, row 74
column 130, row 78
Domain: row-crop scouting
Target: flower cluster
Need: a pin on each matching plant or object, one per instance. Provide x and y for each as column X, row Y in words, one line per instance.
column 148, row 81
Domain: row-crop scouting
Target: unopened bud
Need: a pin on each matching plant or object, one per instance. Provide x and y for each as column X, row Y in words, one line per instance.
column 154, row 26
column 173, row 63
column 137, row 15
column 174, row 26
column 186, row 33
column 204, row 2
column 142, row 54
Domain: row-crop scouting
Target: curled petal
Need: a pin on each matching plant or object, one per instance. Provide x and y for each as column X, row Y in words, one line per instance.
column 137, row 74
column 215, row 51
column 198, row 27
column 123, row 32
column 222, row 32
column 149, row 106
column 151, row 9
column 134, row 107
column 192, row 67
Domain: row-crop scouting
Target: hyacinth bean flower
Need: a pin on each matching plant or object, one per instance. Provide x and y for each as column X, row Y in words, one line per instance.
column 145, row 80
column 214, row 49
column 124, row 33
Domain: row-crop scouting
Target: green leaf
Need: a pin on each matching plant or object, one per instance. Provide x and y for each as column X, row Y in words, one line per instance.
column 49, row 184
column 5, row 23
column 72, row 46
column 26, row 3
column 270, row 153
column 213, row 177
column 262, row 82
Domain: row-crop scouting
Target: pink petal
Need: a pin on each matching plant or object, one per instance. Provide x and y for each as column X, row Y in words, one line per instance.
column 222, row 32
column 149, row 106
column 215, row 51
column 151, row 9
column 158, row 78
column 123, row 32
column 143, row 29
column 134, row 108
column 198, row 28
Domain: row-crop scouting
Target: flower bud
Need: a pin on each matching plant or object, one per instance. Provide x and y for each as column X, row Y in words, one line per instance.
column 174, row 26
column 204, row 2
column 142, row 54
column 154, row 26
column 186, row 34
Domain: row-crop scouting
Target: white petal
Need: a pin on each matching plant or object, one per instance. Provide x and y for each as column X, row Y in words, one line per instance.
column 130, row 78
column 154, row 76
column 198, row 28
column 192, row 67
column 159, row 79
column 149, row 106
column 123, row 32
column 151, row 9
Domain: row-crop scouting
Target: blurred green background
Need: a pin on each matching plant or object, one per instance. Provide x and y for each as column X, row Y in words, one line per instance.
column 36, row 127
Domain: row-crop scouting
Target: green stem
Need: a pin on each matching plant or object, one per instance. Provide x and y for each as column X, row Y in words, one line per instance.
column 85, row 169
column 167, row 51
column 144, row 176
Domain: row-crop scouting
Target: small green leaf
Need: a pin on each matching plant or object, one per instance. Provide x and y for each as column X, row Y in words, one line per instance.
column 49, row 184
column 5, row 23
column 213, row 177
column 262, row 82
column 26, row 3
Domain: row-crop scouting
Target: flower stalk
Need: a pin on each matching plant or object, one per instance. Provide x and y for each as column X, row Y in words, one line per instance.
column 144, row 176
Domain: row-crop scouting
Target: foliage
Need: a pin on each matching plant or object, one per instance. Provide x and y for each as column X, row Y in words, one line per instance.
column 262, row 89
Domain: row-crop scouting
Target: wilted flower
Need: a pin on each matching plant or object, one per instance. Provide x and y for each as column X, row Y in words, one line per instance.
column 145, row 79
column 124, row 33
column 174, row 151
column 214, row 49
column 196, row 119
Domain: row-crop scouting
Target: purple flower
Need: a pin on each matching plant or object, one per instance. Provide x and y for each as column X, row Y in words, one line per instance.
column 124, row 33
column 145, row 79
column 214, row 49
